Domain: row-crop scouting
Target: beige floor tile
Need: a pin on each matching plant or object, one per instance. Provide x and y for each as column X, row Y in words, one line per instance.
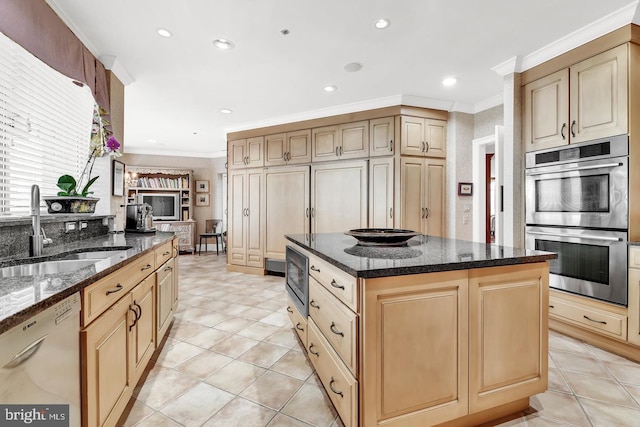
column 235, row 376
column 272, row 389
column 535, row 420
column 211, row 319
column 264, row 354
column 208, row 338
column 604, row 414
column 197, row 405
column 185, row 330
column 158, row 420
column 233, row 309
column 241, row 413
column 234, row 346
column 557, row 381
column 204, row 364
column 178, row 354
column 277, row 319
column 285, row 337
column 255, row 313
column 234, row 324
column 565, row 343
column 625, row 373
column 274, row 304
column 551, row 363
column 281, row 420
column 295, row 364
column 634, row 391
column 608, row 357
column 164, row 387
column 189, row 313
column 258, row 331
column 311, row 405
column 138, row 412
column 560, row 407
column 579, row 363
column 337, row 423
column 599, row 389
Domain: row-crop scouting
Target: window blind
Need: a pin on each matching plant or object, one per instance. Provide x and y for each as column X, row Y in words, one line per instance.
column 45, row 127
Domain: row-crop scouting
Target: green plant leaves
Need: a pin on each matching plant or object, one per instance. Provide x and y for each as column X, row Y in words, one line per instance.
column 85, row 190
column 67, row 184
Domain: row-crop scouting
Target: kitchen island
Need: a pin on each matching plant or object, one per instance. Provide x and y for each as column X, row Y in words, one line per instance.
column 440, row 331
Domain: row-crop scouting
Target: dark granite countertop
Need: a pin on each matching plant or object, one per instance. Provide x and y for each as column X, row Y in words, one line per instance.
column 423, row 254
column 22, row 297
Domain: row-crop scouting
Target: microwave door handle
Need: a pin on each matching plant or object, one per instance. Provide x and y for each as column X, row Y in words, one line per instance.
column 581, row 168
column 581, row 236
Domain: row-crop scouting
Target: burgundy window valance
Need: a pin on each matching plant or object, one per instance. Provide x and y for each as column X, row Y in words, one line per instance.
column 36, row 27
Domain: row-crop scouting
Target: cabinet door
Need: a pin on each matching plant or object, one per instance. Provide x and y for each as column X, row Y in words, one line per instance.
column 164, row 297
column 381, row 192
column 287, row 207
column 255, row 152
column 546, row 112
column 415, row 332
column 237, row 154
column 381, row 134
column 508, row 336
column 143, row 332
column 435, row 137
column 275, row 147
column 324, row 143
column 338, row 196
column 634, row 304
column 236, row 239
column 106, row 346
column 299, row 147
column 412, row 136
column 411, row 194
column 353, row 140
column 434, row 202
column 598, row 104
column 176, row 291
column 255, row 217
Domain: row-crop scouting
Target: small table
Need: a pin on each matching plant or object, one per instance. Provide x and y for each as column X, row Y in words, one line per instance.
column 205, row 236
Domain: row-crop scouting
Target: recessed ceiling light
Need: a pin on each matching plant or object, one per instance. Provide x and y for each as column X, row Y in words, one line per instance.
column 449, row 81
column 164, row 32
column 223, row 44
column 353, row 67
column 382, row 23
column 330, row 88
column 285, row 31
column 226, row 111
column 153, row 141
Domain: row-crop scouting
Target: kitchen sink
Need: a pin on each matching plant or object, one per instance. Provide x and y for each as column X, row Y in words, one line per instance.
column 95, row 255
column 47, row 267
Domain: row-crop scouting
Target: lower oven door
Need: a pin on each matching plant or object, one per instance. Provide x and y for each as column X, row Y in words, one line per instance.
column 590, row 262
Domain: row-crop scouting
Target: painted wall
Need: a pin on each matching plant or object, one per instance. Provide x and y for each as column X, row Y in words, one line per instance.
column 460, row 129
column 486, row 121
column 203, row 169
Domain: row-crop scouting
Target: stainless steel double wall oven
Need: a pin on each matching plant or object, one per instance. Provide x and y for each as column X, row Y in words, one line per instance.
column 577, row 206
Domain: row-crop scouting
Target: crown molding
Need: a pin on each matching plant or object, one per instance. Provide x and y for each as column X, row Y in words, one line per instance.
column 74, row 28
column 116, row 67
column 511, row 65
column 174, row 153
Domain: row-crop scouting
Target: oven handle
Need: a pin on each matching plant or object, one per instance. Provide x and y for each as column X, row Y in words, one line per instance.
column 581, row 168
column 581, row 236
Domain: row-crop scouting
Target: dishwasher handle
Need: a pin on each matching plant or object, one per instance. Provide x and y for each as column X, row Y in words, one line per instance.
column 25, row 354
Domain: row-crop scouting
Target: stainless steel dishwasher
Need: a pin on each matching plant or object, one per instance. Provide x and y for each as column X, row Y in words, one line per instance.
column 40, row 359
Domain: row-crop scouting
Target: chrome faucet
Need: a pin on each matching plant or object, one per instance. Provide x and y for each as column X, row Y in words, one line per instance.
column 38, row 239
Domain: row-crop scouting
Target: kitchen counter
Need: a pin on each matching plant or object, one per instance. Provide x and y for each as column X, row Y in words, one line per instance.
column 423, row 254
column 22, row 297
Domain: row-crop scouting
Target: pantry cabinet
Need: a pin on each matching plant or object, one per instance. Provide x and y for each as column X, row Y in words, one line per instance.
column 381, row 192
column 585, row 101
column 288, row 148
column 423, row 137
column 245, row 219
column 422, row 195
column 246, row 153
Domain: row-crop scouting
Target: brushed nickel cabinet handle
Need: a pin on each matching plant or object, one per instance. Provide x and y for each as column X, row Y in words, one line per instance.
column 168, row 268
column 334, row 330
column 335, row 285
column 422, row 149
column 314, row 304
column 148, row 266
column 602, row 322
column 426, row 145
column 426, row 212
column 341, row 150
column 289, row 309
column 573, row 128
column 333, row 389
column 165, row 253
column 422, row 215
column 306, row 212
column 313, row 212
column 391, row 213
column 564, row 126
column 139, row 307
column 337, row 150
column 391, row 145
column 315, row 353
column 298, row 327
column 314, row 268
column 117, row 289
column 552, row 306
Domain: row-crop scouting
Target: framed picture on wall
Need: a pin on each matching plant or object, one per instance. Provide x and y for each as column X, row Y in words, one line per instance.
column 202, row 200
column 465, row 189
column 202, row 186
column 117, row 178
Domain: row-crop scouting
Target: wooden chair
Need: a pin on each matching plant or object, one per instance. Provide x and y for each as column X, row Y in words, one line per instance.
column 211, row 225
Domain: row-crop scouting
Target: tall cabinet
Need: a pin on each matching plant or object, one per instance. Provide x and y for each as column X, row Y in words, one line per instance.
column 423, row 199
column 245, row 242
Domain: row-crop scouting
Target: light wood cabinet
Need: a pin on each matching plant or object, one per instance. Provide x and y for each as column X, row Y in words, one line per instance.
column 246, row 153
column 634, row 295
column 382, row 137
column 345, row 141
column 338, row 196
column 298, row 321
column 422, row 195
column 584, row 102
column 245, row 220
column 423, row 137
column 143, row 329
column 165, row 296
column 287, row 148
column 381, row 192
column 508, row 334
column 287, row 207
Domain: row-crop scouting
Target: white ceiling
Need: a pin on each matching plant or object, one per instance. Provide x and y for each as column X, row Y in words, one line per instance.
column 175, row 87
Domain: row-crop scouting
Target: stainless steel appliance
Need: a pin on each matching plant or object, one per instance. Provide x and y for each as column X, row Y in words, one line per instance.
column 140, row 218
column 297, row 279
column 40, row 359
column 586, row 185
column 576, row 205
column 590, row 262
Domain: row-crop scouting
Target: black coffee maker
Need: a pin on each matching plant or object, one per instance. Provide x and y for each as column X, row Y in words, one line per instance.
column 140, row 219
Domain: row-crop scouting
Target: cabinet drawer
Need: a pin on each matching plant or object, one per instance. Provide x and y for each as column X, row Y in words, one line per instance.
column 164, row 252
column 601, row 321
column 338, row 324
column 634, row 257
column 165, row 270
column 298, row 321
column 340, row 385
column 336, row 281
column 99, row 296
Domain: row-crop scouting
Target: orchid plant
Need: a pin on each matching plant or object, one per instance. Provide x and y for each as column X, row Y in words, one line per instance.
column 102, row 143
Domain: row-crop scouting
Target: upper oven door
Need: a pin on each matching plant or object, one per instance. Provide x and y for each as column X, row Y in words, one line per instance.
column 590, row 193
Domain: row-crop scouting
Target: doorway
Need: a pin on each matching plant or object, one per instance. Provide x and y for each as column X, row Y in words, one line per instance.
column 487, row 175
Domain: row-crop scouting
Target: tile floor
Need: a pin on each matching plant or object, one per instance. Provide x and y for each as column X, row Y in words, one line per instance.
column 231, row 359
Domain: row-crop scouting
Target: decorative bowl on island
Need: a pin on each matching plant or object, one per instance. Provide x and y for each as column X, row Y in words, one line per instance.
column 382, row 236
